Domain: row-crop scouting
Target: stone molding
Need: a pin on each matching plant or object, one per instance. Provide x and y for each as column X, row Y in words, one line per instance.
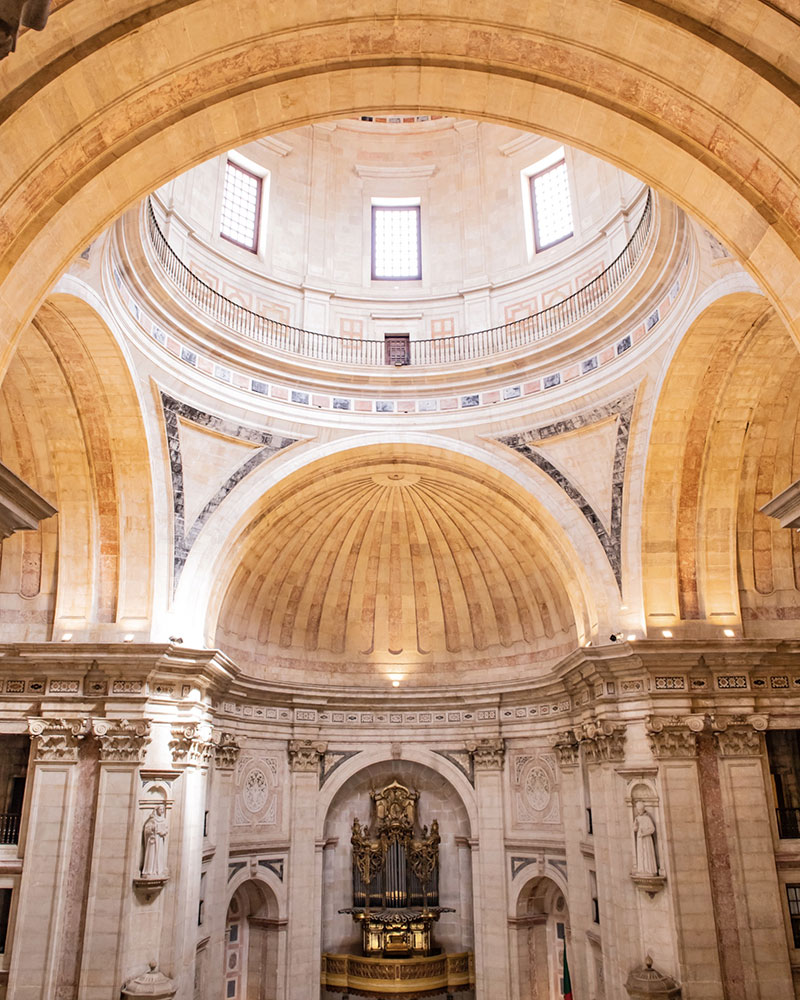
column 306, row 755
column 226, row 752
column 673, row 736
column 21, row 508
column 487, row 754
column 122, row 741
column 57, row 739
column 785, row 506
column 191, row 744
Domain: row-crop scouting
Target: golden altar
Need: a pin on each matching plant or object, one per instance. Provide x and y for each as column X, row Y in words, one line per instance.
column 410, row 978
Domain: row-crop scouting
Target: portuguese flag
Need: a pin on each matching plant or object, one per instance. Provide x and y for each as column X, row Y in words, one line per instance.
column 567, row 983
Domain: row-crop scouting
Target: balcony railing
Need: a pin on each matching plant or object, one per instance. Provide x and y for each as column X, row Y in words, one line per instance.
column 9, row 828
column 437, row 351
column 788, row 822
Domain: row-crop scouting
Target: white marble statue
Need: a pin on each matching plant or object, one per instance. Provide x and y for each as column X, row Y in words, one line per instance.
column 644, row 830
column 154, row 838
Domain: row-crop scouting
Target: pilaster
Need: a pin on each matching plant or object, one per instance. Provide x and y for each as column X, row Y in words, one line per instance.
column 45, row 896
column 492, row 957
column 115, row 844
column 305, row 871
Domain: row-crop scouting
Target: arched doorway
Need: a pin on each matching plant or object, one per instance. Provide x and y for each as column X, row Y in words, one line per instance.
column 542, row 924
column 251, row 944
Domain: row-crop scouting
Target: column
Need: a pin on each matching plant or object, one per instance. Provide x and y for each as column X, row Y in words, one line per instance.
column 220, row 807
column 490, row 892
column 55, row 832
column 304, row 872
column 114, row 856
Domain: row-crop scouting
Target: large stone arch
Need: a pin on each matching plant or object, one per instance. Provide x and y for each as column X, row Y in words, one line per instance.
column 73, row 425
column 718, row 392
column 98, row 110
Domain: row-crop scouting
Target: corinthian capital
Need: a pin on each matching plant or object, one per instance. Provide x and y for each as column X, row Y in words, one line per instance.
column 738, row 735
column 120, row 740
column 487, row 754
column 191, row 743
column 57, row 739
column 226, row 752
column 673, row 736
column 306, row 755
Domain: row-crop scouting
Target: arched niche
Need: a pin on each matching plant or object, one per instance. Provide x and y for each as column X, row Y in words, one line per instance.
column 252, row 953
column 438, row 800
column 196, row 80
column 540, row 929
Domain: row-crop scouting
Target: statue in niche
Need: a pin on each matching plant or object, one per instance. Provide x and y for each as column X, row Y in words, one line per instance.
column 154, row 841
column 644, row 830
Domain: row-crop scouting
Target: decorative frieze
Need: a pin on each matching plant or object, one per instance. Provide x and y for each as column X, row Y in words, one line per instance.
column 487, row 754
column 191, row 743
column 226, row 752
column 122, row 741
column 306, row 755
column 57, row 739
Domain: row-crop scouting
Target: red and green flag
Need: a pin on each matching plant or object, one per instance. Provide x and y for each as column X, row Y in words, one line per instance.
column 567, row 983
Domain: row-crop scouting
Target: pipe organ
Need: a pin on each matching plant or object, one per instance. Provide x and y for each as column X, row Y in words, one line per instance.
column 395, row 876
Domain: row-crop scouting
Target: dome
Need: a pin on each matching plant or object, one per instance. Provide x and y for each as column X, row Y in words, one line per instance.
column 374, row 567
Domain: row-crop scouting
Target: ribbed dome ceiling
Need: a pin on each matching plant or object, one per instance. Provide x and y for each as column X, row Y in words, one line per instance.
column 395, row 563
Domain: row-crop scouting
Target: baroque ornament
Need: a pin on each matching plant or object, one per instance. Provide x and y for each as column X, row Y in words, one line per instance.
column 226, row 752
column 672, row 736
column 602, row 741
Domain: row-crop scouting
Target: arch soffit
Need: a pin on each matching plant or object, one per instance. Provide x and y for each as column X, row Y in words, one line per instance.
column 524, row 885
column 212, row 561
column 725, row 355
column 381, row 755
column 684, row 130
column 268, row 886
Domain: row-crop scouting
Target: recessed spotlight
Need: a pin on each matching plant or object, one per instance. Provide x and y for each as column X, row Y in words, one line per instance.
column 729, row 632
column 128, row 637
column 395, row 684
column 666, row 633
column 66, row 637
column 631, row 637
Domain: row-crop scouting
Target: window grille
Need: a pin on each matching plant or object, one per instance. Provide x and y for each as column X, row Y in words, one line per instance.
column 396, row 243
column 241, row 206
column 552, row 207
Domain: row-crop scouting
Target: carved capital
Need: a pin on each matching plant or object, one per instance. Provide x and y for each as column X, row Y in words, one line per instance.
column 673, row 736
column 566, row 748
column 226, row 752
column 487, row 754
column 57, row 739
column 604, row 741
column 191, row 743
column 120, row 740
column 306, row 755
column 738, row 735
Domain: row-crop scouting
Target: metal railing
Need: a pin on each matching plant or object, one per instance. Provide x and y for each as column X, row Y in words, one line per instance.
column 9, row 828
column 436, row 351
